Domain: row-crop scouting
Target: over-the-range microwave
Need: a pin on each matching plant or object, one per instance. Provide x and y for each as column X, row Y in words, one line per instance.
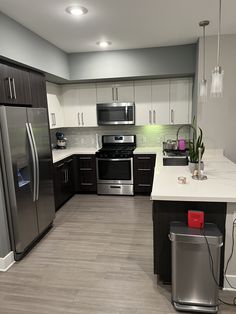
column 116, row 113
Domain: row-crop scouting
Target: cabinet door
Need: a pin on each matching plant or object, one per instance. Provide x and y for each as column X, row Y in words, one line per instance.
column 38, row 90
column 143, row 107
column 16, row 85
column 71, row 109
column 161, row 102
column 3, row 95
column 55, row 110
column 105, row 93
column 87, row 103
column 124, row 91
column 69, row 174
column 59, row 184
column 180, row 101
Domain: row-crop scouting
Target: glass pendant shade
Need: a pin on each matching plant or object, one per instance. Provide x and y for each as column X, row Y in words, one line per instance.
column 203, row 90
column 217, row 73
column 217, row 82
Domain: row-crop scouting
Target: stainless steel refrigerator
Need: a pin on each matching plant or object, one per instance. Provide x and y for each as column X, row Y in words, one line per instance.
column 26, row 162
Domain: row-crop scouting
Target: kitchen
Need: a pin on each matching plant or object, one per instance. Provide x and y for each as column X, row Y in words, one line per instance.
column 145, row 76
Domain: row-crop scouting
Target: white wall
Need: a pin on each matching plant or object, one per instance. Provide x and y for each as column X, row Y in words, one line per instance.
column 217, row 117
column 20, row 44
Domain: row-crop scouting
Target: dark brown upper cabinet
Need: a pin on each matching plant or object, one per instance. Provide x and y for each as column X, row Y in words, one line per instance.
column 38, row 90
column 15, row 86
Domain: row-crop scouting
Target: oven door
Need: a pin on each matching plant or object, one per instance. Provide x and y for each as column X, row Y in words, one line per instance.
column 117, row 170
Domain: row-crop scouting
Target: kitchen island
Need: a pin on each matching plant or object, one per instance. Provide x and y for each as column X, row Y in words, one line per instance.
column 171, row 201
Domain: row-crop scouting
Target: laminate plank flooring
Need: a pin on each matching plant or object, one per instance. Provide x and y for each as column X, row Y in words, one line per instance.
column 98, row 258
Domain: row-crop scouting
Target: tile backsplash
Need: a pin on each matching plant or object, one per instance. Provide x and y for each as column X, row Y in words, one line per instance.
column 146, row 136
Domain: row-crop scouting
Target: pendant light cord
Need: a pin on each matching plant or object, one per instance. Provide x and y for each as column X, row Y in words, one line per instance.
column 204, row 39
column 219, row 33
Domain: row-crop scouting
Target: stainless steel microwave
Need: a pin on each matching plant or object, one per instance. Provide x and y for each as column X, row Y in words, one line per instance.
column 116, row 113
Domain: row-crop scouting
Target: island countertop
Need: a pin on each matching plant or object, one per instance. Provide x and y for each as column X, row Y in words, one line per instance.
column 219, row 187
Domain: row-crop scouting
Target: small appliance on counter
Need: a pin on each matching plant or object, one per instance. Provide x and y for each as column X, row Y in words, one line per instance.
column 61, row 140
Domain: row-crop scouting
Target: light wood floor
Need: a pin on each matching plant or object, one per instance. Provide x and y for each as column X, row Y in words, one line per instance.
column 96, row 259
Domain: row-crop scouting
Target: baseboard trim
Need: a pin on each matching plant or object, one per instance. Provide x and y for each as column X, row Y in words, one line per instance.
column 7, row 261
column 232, row 280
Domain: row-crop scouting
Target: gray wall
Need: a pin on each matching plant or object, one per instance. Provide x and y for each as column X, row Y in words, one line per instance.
column 218, row 116
column 4, row 238
column 20, row 44
column 148, row 62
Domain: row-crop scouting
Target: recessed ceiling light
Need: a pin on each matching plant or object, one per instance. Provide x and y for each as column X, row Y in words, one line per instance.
column 103, row 44
column 76, row 10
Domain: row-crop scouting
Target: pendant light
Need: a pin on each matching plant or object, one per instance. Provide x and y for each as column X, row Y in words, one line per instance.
column 203, row 83
column 217, row 73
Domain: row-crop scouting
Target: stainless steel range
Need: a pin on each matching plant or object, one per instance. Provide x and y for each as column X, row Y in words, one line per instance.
column 115, row 165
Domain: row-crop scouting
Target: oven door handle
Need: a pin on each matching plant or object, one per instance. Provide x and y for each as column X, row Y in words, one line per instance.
column 115, row 159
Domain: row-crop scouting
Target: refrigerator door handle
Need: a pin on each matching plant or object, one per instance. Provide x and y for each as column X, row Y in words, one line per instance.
column 34, row 161
column 37, row 161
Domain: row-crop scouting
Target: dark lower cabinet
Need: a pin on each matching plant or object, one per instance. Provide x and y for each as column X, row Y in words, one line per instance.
column 166, row 211
column 64, row 181
column 143, row 173
column 86, row 174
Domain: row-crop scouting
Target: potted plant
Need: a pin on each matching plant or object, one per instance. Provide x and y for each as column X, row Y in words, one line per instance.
column 194, row 146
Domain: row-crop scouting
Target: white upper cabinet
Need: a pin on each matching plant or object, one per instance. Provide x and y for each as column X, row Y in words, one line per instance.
column 87, row 104
column 161, row 102
column 115, row 92
column 70, row 100
column 55, row 110
column 180, row 101
column 143, row 102
column 79, row 105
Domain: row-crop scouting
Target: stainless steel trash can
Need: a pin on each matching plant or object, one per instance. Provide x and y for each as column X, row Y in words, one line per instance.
column 193, row 286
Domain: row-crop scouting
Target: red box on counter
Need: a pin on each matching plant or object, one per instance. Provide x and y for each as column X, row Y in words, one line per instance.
column 196, row 219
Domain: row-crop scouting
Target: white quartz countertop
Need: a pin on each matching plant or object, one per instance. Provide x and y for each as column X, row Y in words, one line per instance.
column 59, row 154
column 219, row 187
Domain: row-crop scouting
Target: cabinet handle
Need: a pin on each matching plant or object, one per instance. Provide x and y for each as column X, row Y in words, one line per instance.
column 69, row 161
column 78, row 118
column 145, row 185
column 82, row 118
column 144, row 158
column 117, row 93
column 85, row 158
column 150, row 117
column 59, row 166
column 10, row 89
column 172, row 116
column 112, row 93
column 144, row 169
column 53, row 115
column 86, row 169
column 87, row 184
column 14, row 88
column 154, row 116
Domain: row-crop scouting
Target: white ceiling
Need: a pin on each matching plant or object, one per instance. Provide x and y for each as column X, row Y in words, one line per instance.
column 126, row 23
